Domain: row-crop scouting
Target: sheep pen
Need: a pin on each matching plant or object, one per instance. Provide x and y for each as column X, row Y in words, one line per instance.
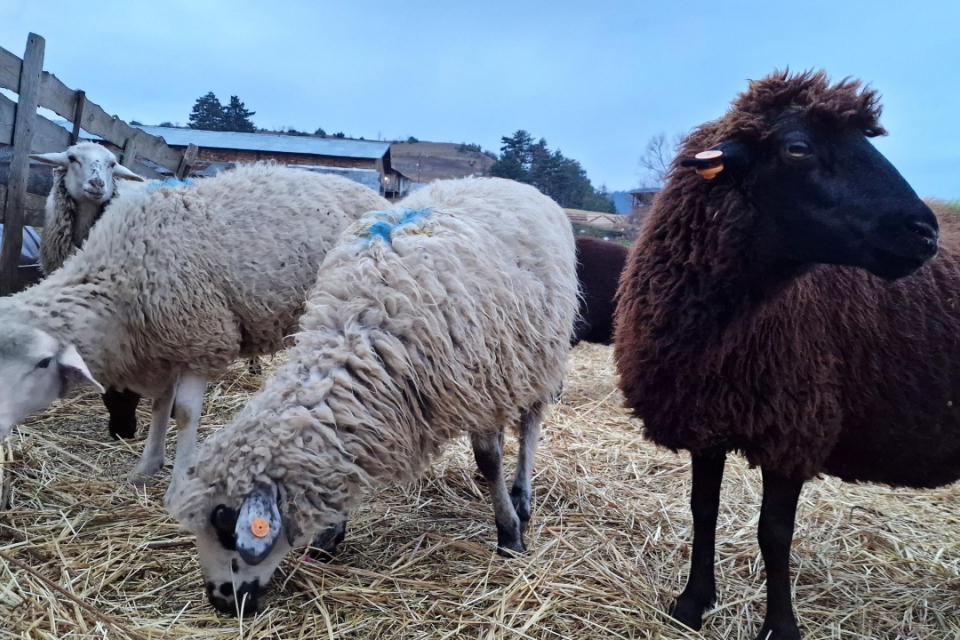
column 84, row 555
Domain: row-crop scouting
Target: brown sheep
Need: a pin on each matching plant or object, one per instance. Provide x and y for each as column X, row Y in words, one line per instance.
column 599, row 265
column 733, row 335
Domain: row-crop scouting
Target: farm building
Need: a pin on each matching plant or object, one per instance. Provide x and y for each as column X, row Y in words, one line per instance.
column 642, row 200
column 366, row 162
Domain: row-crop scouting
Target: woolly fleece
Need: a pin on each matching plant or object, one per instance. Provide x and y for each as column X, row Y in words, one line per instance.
column 450, row 313
column 187, row 280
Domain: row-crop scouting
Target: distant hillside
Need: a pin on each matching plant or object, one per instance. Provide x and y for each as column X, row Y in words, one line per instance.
column 427, row 161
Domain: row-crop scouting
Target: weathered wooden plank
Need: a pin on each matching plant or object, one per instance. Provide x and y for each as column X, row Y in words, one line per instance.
column 129, row 156
column 9, row 70
column 24, row 123
column 47, row 136
column 57, row 97
column 189, row 158
column 33, row 211
column 96, row 120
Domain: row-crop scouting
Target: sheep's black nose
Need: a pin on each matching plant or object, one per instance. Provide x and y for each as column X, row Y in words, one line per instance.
column 921, row 228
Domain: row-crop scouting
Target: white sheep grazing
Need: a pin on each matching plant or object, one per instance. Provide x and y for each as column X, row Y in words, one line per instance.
column 450, row 313
column 83, row 185
column 169, row 289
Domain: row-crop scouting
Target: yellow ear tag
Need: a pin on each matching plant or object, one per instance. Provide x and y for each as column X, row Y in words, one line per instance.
column 260, row 527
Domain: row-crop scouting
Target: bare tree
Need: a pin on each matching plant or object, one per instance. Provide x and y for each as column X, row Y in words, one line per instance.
column 656, row 158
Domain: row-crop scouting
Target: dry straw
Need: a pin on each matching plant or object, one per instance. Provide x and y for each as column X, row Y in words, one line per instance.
column 84, row 555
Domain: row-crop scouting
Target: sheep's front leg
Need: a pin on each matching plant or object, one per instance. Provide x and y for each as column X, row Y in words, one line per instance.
column 489, row 456
column 701, row 591
column 521, row 493
column 187, row 408
column 152, row 459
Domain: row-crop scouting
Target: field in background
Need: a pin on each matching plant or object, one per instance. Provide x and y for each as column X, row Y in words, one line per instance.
column 427, row 161
column 608, row 544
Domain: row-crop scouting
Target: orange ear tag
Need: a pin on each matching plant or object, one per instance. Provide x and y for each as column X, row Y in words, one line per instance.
column 260, row 527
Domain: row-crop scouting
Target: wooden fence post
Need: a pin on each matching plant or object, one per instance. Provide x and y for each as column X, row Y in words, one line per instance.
column 78, row 116
column 189, row 157
column 23, row 124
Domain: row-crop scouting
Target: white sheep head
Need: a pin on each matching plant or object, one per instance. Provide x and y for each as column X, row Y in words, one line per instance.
column 90, row 170
column 35, row 370
column 239, row 545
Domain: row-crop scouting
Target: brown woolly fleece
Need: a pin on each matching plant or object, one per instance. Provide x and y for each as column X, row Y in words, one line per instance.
column 833, row 370
column 599, row 265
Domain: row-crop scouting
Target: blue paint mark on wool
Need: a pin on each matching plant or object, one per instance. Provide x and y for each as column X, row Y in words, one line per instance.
column 381, row 229
column 389, row 221
column 169, row 182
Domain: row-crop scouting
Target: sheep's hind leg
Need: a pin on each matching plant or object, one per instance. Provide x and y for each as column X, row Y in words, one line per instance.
column 151, row 461
column 489, row 456
column 521, row 493
column 122, row 409
column 701, row 591
column 775, row 534
column 187, row 408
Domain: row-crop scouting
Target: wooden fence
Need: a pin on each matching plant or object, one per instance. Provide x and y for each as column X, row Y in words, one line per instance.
column 28, row 132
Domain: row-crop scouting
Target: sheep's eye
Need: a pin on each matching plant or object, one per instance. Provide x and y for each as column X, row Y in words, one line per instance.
column 43, row 364
column 72, row 159
column 112, row 164
column 798, row 149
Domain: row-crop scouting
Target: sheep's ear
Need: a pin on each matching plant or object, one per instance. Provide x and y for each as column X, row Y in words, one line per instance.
column 258, row 524
column 120, row 171
column 59, row 159
column 74, row 371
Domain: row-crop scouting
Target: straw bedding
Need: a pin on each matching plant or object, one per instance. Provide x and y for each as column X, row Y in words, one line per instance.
column 83, row 555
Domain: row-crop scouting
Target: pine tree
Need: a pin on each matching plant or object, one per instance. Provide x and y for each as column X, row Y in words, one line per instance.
column 207, row 113
column 236, row 117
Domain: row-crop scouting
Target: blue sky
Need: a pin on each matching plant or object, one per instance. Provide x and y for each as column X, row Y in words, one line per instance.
column 596, row 79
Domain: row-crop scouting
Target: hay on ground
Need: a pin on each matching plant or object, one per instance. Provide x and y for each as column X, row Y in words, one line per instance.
column 85, row 555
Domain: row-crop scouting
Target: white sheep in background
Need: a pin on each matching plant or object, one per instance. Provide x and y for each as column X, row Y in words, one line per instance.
column 83, row 185
column 450, row 313
column 169, row 289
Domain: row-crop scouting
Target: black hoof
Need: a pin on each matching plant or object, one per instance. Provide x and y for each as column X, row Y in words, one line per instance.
column 688, row 612
column 509, row 541
column 326, row 544
column 781, row 631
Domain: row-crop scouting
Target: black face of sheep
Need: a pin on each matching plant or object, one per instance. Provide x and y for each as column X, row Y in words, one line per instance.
column 826, row 195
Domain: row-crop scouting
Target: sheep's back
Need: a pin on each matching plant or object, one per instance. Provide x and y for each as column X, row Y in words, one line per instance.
column 221, row 269
column 469, row 308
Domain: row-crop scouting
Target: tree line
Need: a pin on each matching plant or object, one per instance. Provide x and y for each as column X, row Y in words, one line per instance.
column 555, row 175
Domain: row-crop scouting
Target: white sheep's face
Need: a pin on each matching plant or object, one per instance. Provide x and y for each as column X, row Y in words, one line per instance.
column 90, row 171
column 240, row 547
column 35, row 370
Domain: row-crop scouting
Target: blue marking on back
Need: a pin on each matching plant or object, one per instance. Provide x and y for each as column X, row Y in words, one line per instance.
column 169, row 182
column 412, row 215
column 381, row 229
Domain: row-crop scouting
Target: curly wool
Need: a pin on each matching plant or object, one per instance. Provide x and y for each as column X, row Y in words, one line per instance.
column 188, row 280
column 450, row 314
column 806, row 379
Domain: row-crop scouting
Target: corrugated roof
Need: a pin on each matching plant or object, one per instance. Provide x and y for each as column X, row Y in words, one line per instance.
column 336, row 147
column 270, row 142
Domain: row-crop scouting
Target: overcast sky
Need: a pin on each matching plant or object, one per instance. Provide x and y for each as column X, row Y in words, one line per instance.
column 596, row 79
